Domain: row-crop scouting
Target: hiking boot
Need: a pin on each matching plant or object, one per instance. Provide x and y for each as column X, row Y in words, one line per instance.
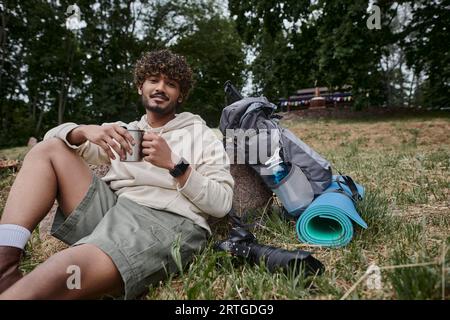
column 9, row 267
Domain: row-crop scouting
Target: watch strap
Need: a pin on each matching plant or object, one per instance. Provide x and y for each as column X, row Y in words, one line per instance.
column 180, row 168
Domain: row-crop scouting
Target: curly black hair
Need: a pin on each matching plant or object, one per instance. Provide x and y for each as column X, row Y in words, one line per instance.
column 164, row 62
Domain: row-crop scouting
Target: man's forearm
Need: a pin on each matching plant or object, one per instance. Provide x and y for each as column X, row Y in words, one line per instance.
column 76, row 136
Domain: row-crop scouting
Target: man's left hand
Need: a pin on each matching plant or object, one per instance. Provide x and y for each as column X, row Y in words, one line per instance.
column 157, row 151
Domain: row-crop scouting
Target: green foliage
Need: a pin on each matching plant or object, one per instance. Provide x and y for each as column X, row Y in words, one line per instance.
column 52, row 75
column 327, row 41
column 426, row 42
column 215, row 53
column 300, row 42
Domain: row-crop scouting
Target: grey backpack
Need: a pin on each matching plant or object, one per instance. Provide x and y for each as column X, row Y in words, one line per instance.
column 250, row 126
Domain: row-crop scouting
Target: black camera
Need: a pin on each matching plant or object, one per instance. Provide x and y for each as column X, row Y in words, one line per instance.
column 242, row 243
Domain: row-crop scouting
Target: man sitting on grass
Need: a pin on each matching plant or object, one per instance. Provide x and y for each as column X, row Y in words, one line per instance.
column 121, row 228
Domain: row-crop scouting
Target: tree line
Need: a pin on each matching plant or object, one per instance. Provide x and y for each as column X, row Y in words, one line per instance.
column 51, row 74
column 405, row 61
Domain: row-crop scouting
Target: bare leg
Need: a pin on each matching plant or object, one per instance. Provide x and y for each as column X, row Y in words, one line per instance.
column 50, row 170
column 98, row 273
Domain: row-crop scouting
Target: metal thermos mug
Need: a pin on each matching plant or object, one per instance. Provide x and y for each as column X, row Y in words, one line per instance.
column 137, row 148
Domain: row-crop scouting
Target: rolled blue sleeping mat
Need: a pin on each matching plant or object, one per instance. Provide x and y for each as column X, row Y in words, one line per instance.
column 328, row 220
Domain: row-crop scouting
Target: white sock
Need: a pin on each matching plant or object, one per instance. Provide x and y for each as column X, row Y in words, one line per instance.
column 13, row 235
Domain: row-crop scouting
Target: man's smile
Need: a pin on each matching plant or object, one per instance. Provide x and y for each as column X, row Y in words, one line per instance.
column 159, row 98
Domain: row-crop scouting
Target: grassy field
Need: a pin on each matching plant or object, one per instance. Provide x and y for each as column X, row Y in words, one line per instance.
column 404, row 165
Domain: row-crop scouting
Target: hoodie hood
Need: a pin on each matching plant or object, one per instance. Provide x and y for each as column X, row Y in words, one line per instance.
column 181, row 120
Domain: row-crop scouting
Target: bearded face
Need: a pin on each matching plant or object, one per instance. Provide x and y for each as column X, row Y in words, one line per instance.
column 160, row 94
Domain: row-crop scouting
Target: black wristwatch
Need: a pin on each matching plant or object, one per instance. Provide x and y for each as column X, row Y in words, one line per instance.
column 180, row 168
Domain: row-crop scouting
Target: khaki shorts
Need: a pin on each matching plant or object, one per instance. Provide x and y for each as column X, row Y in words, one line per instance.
column 138, row 239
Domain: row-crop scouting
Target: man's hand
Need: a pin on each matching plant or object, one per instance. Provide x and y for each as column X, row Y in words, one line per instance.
column 103, row 136
column 157, row 151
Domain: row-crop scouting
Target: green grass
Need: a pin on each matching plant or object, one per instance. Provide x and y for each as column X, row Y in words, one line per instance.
column 404, row 166
column 13, row 153
column 418, row 282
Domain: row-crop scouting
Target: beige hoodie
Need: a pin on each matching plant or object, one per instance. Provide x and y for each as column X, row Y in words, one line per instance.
column 208, row 190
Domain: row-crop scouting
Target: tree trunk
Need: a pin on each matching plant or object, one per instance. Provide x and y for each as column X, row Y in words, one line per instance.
column 3, row 56
column 39, row 123
column 32, row 108
column 65, row 85
column 2, row 45
column 411, row 90
column 402, row 82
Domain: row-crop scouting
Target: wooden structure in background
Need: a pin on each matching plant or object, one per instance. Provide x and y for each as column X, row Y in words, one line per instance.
column 308, row 98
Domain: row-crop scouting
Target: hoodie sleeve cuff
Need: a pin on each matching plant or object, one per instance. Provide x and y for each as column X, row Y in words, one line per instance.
column 65, row 131
column 61, row 132
column 193, row 186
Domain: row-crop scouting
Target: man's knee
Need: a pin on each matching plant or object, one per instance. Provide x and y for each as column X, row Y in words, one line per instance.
column 47, row 148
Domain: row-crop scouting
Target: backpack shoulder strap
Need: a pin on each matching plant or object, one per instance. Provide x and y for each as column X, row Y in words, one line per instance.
column 348, row 181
